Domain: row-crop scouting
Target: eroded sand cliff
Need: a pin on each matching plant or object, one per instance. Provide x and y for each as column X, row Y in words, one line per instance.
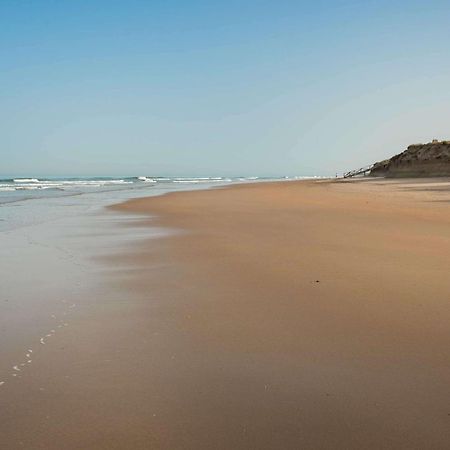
column 418, row 160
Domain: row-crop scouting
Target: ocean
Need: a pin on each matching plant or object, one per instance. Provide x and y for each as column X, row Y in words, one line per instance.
column 16, row 189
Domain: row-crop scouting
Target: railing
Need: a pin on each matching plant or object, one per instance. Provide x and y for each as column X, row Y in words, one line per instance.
column 361, row 171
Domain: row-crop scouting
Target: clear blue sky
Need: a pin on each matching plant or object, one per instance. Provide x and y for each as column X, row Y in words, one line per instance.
column 188, row 87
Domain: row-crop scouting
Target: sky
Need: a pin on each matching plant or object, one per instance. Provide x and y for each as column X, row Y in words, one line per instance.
column 233, row 88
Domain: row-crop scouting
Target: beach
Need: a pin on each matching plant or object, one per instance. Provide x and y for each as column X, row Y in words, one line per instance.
column 282, row 315
column 309, row 314
column 225, row 225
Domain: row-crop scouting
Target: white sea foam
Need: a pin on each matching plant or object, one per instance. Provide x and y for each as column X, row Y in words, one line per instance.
column 203, row 180
column 96, row 183
column 26, row 180
column 34, row 184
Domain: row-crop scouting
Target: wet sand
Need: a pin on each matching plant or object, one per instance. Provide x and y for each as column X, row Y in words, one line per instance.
column 295, row 315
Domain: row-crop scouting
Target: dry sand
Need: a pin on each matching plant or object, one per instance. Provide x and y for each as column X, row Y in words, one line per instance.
column 305, row 315
column 296, row 315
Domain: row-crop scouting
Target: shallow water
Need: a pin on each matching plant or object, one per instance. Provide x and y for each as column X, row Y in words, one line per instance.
column 49, row 265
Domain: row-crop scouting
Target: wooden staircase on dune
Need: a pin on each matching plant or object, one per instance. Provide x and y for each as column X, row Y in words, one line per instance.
column 362, row 171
